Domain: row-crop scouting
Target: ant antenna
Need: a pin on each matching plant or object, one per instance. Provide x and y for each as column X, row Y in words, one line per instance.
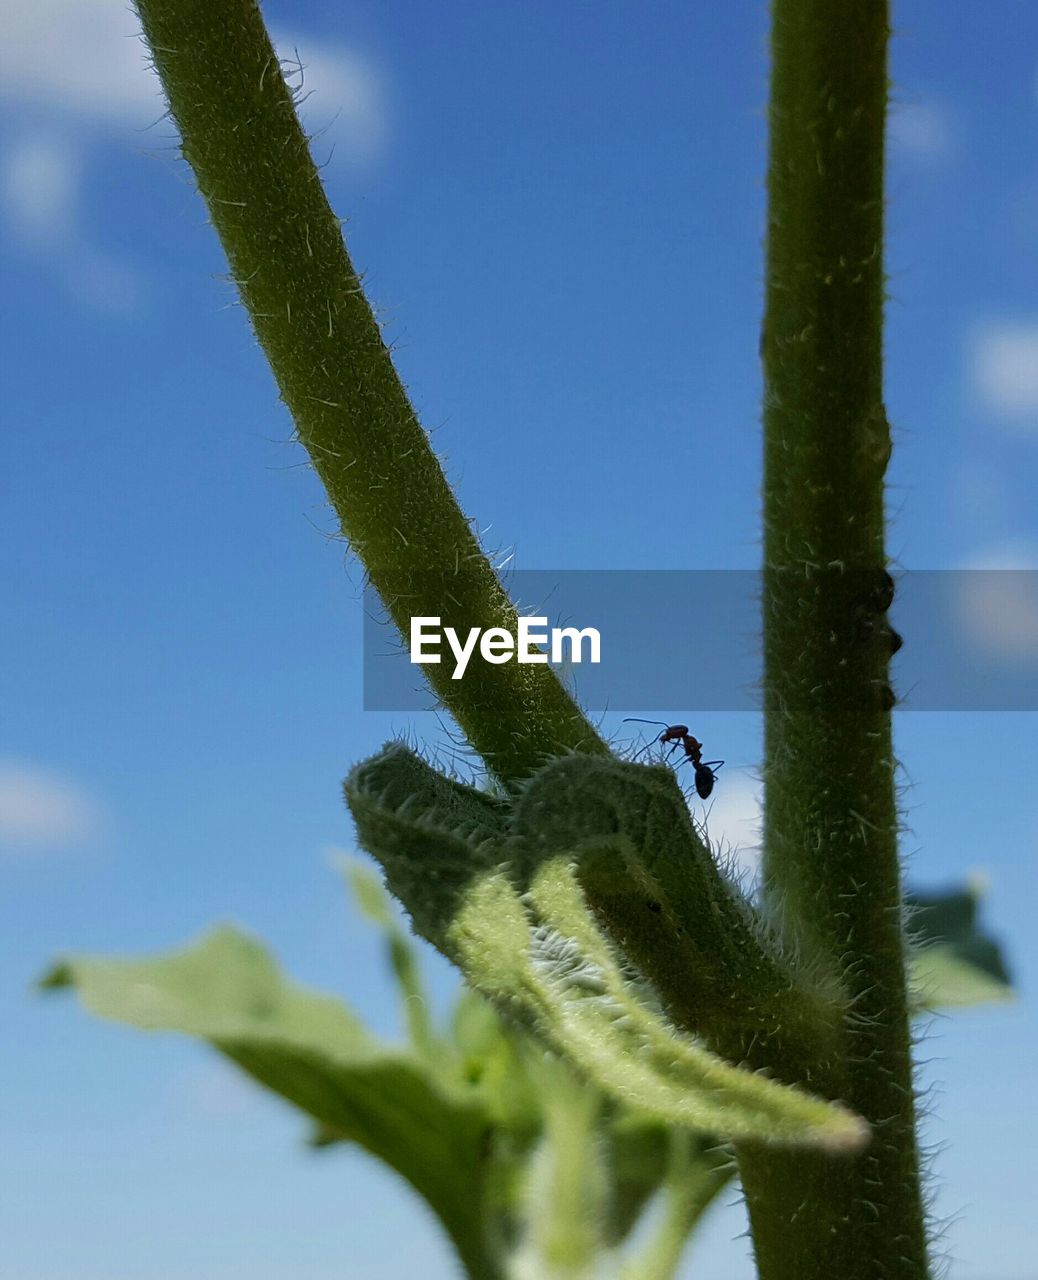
column 649, row 745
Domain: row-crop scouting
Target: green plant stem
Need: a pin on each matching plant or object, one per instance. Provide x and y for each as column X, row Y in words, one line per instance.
column 831, row 867
column 831, row 860
column 251, row 160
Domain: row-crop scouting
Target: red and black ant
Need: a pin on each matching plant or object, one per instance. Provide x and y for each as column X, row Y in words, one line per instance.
column 678, row 734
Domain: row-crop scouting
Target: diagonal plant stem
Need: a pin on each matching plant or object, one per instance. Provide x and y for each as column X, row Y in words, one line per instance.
column 251, row 160
column 831, row 862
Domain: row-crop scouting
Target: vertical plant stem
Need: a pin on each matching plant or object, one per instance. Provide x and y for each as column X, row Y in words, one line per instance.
column 251, row 160
column 831, row 869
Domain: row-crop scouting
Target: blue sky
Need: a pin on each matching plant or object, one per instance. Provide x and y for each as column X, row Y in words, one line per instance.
column 560, row 212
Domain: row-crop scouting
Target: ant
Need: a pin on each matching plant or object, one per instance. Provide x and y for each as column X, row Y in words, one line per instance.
column 678, row 734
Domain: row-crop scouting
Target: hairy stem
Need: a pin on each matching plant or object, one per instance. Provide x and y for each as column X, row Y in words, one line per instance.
column 251, row 160
column 831, row 858
column 831, row 863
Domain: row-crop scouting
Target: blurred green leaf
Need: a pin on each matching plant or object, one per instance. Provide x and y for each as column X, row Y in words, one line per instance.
column 377, row 905
column 508, row 1147
column 954, row 963
column 696, row 1173
column 565, row 1191
column 307, row 1047
column 638, row 1157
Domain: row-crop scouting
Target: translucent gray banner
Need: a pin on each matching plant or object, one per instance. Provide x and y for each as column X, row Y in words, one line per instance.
column 679, row 641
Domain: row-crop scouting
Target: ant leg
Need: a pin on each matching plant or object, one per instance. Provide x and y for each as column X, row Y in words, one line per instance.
column 713, row 764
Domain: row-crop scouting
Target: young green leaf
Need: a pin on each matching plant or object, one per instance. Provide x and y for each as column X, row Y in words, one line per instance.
column 657, row 890
column 311, row 1050
column 535, row 950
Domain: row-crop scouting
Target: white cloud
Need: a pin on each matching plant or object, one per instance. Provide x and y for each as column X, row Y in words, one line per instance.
column 77, row 72
column 999, row 609
column 41, row 810
column 1004, row 363
column 78, row 57
column 40, row 199
column 39, row 185
column 920, row 130
column 83, row 61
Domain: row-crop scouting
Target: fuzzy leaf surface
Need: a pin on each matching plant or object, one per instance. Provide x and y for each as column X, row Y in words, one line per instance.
column 516, row 922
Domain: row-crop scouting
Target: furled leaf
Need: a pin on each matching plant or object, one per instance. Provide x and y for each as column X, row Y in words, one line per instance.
column 657, row 890
column 434, row 834
column 535, row 950
column 311, row 1050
